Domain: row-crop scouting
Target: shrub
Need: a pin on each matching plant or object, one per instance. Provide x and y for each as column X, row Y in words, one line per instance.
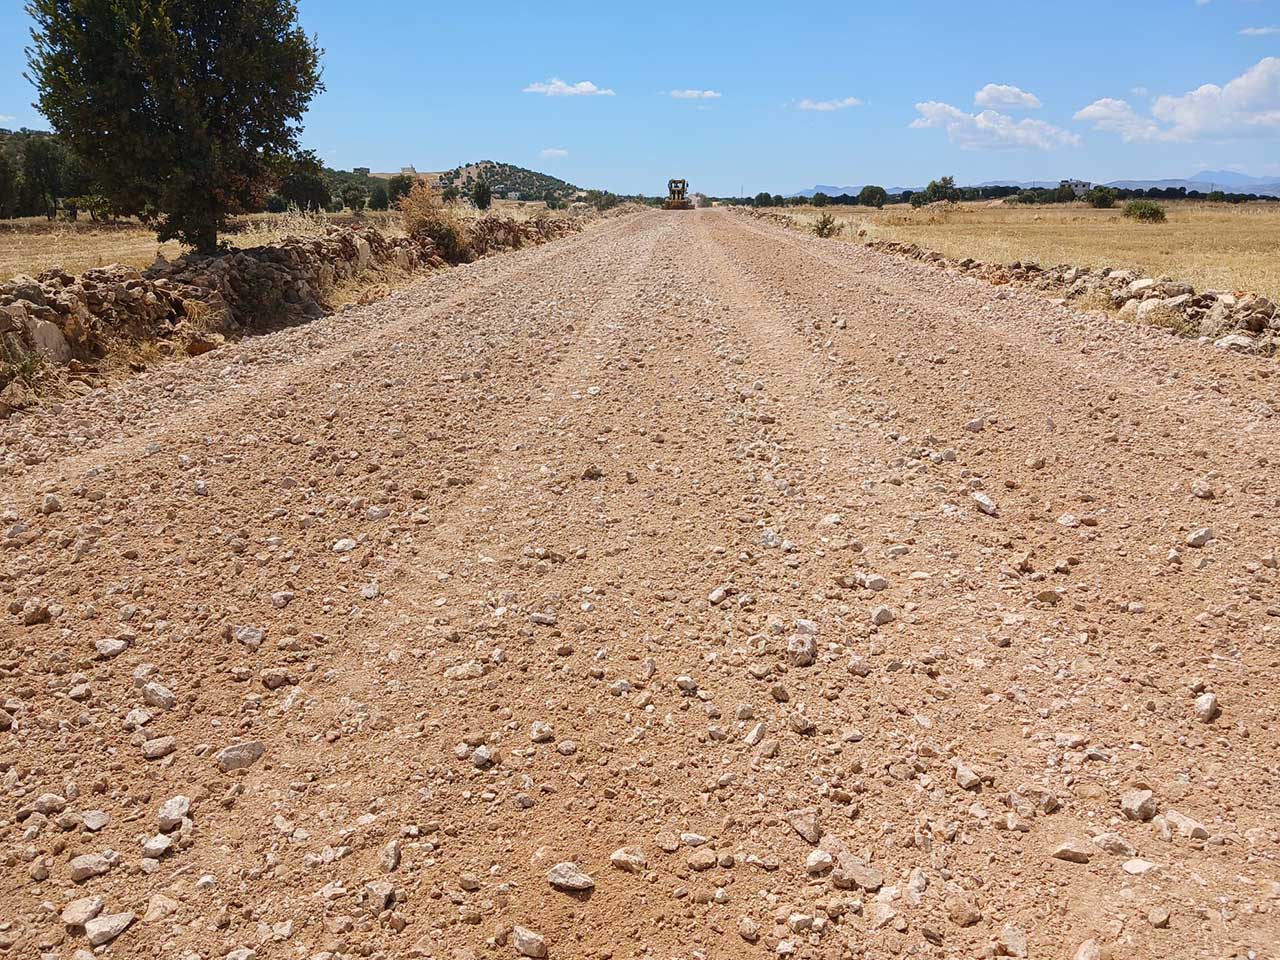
column 426, row 216
column 1144, row 211
column 820, row 199
column 827, row 226
column 1104, row 198
column 378, row 199
column 276, row 204
column 481, row 195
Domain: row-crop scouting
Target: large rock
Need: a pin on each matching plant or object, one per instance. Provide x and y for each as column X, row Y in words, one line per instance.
column 48, row 340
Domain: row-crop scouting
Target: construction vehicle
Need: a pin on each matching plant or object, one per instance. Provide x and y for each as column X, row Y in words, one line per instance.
column 678, row 195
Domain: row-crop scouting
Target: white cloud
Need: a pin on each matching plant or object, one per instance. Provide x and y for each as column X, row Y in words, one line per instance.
column 695, row 94
column 552, row 153
column 5, row 118
column 826, row 106
column 1259, row 31
column 1006, row 95
column 1116, row 116
column 1249, row 105
column 990, row 130
column 556, row 87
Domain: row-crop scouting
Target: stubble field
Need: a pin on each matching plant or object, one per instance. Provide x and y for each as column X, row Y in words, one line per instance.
column 1210, row 245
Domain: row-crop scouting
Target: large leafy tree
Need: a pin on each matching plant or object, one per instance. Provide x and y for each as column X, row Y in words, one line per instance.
column 302, row 183
column 8, row 186
column 177, row 108
column 42, row 163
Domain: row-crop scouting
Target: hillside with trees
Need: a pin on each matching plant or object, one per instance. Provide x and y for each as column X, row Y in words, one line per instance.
column 506, row 178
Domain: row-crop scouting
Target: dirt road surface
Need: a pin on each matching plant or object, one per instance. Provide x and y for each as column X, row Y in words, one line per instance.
column 771, row 596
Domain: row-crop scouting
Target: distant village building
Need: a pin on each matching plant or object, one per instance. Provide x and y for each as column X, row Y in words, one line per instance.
column 1078, row 187
column 409, row 171
column 360, row 171
column 513, row 194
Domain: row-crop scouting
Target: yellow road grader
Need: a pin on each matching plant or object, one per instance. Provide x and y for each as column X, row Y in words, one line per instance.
column 678, row 195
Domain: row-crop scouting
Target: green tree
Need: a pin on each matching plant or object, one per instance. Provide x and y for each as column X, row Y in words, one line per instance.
column 1101, row 197
column 398, row 186
column 943, row 189
column 176, row 107
column 820, row 199
column 450, row 194
column 303, row 184
column 551, row 200
column 378, row 197
column 42, row 163
column 873, row 196
column 481, row 195
column 9, row 186
column 763, row 200
column 353, row 197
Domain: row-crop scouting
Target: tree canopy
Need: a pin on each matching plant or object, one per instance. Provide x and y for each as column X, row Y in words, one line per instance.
column 177, row 108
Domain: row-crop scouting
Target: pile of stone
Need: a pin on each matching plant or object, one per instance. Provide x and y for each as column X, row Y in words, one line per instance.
column 186, row 304
column 494, row 233
column 1232, row 320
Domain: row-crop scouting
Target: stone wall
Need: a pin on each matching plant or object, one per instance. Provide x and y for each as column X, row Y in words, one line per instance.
column 185, row 305
column 1232, row 320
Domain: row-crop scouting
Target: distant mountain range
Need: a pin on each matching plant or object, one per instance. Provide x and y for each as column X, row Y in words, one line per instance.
column 1205, row 181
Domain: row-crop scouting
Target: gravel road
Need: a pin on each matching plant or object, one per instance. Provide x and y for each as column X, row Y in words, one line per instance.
column 687, row 588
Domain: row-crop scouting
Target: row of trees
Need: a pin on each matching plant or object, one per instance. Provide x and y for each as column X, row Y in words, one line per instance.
column 36, row 172
column 945, row 189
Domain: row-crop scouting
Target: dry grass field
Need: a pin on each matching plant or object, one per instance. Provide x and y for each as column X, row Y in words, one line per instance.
column 1211, row 245
column 34, row 244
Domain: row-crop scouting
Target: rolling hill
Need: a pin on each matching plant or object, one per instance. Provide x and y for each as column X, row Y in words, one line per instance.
column 505, row 178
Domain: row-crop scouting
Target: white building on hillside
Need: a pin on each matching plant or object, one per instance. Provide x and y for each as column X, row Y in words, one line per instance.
column 1078, row 187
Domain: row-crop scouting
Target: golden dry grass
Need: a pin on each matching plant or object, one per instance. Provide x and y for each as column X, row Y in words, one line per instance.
column 34, row 244
column 1210, row 245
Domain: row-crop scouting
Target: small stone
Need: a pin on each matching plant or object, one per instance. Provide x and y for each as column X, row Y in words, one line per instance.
column 629, row 859
column 806, row 823
column 540, row 732
column 157, row 846
column 1158, row 917
column 966, row 778
column 1073, row 851
column 881, row 615
column 238, row 756
column 102, row 930
column 1207, row 708
column 1089, row 950
column 962, row 911
column 159, row 747
column 528, row 943
column 79, row 912
column 345, row 545
column 985, row 504
column 567, row 876
column 1138, row 867
column 1138, row 805
column 748, row 930
column 1200, row 537
column 158, row 695
column 90, row 865
column 1013, row 941
column 702, row 859
column 1186, row 826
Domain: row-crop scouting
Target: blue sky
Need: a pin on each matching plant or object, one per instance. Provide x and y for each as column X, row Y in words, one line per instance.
column 779, row 96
